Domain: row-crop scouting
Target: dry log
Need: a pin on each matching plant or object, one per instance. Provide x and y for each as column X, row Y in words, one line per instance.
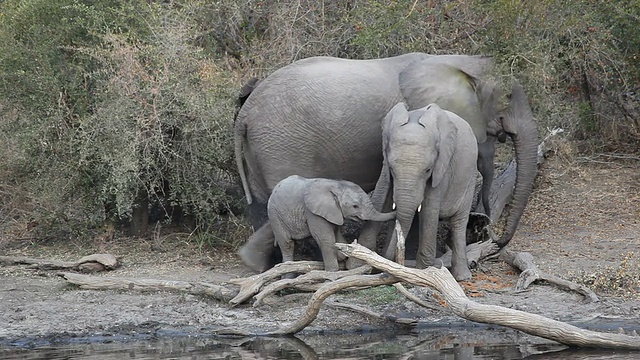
column 90, row 263
column 416, row 299
column 251, row 285
column 443, row 281
column 309, row 278
column 329, row 289
column 220, row 292
column 531, row 273
column 313, row 307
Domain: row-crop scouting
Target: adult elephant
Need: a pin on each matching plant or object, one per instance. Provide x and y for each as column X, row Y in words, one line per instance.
column 321, row 117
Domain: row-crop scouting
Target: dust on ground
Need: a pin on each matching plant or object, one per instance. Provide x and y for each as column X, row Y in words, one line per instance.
column 581, row 224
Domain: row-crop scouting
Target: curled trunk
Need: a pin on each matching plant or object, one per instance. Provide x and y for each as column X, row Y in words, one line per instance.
column 525, row 140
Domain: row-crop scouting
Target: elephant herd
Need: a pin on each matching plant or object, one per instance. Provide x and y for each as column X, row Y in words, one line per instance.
column 315, row 136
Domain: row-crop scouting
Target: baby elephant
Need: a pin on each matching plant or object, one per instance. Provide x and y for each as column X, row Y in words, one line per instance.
column 301, row 207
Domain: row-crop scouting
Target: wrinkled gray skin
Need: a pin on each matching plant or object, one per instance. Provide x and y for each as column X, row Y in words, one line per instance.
column 301, row 207
column 429, row 165
column 321, row 117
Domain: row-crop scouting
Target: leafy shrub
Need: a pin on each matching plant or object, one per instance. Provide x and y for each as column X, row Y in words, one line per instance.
column 114, row 106
column 120, row 110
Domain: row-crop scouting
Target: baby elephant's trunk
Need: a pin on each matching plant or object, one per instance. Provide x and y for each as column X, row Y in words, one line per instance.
column 375, row 215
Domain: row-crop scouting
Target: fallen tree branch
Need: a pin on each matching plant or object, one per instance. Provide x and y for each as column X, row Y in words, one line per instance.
column 313, row 307
column 373, row 314
column 329, row 289
column 90, row 282
column 531, row 273
column 89, row 263
column 312, row 277
column 403, row 290
column 251, row 285
column 443, row 281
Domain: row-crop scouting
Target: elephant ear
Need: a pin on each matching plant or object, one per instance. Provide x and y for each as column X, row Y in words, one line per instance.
column 321, row 199
column 397, row 116
column 447, row 143
column 433, row 80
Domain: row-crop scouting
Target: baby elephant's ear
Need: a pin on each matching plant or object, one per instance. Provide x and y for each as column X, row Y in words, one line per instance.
column 320, row 199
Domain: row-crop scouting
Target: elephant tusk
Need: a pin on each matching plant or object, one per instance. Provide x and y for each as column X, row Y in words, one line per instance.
column 419, row 207
column 393, row 207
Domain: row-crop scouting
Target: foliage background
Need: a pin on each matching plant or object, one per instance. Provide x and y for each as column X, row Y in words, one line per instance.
column 110, row 107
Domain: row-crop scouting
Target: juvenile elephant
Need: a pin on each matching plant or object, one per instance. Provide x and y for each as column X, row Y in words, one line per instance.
column 429, row 165
column 300, row 207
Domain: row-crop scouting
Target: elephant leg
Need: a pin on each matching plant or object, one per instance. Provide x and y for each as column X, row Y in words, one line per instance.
column 284, row 241
column 324, row 233
column 458, row 244
column 426, row 255
column 258, row 213
column 259, row 251
column 340, row 239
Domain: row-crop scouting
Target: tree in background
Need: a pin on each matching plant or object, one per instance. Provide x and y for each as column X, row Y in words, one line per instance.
column 119, row 111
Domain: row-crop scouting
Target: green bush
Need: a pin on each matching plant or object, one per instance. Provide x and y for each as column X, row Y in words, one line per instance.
column 115, row 106
column 116, row 112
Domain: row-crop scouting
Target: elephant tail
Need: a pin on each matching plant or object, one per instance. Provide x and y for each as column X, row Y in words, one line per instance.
column 239, row 138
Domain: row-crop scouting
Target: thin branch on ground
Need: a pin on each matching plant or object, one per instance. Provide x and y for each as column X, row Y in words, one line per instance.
column 373, row 314
column 531, row 273
column 89, row 263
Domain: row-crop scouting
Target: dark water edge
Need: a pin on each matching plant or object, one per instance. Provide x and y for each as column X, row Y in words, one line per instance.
column 440, row 341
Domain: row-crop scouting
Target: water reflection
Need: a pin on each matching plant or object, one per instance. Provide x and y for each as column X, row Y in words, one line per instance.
column 483, row 343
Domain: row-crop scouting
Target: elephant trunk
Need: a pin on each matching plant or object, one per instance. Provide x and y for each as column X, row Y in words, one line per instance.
column 378, row 216
column 525, row 140
column 407, row 202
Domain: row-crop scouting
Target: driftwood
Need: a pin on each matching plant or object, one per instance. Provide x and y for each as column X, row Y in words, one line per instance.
column 235, row 291
column 308, row 279
column 457, row 301
column 373, row 314
column 89, row 282
column 252, row 285
column 531, row 273
column 90, row 263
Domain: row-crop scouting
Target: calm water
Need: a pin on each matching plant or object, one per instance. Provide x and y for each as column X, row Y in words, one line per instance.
column 458, row 344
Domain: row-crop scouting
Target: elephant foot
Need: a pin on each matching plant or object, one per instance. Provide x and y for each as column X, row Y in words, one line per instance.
column 257, row 262
column 461, row 273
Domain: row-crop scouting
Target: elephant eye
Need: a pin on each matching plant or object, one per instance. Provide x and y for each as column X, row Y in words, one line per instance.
column 355, row 206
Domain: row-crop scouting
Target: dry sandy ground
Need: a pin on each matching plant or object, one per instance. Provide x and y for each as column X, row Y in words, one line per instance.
column 581, row 223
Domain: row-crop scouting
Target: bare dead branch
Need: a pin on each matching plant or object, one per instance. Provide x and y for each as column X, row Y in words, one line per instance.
column 373, row 314
column 329, row 289
column 312, row 277
column 531, row 273
column 403, row 290
column 251, row 285
column 90, row 282
column 443, row 281
column 89, row 263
